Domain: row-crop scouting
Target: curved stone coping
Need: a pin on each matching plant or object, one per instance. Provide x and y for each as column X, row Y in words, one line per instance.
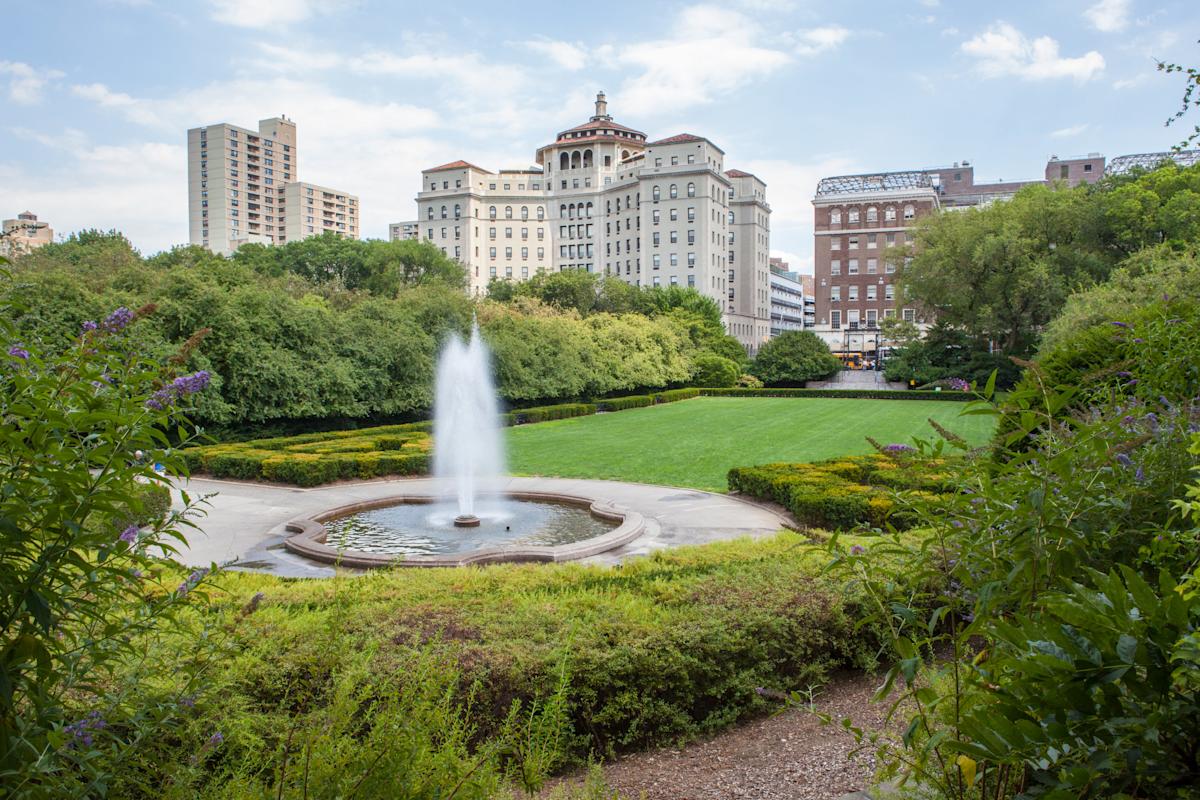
column 308, row 536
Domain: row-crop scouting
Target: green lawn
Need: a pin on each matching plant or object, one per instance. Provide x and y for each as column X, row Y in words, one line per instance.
column 695, row 442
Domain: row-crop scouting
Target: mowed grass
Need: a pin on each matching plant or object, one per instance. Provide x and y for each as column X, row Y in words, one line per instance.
column 695, row 442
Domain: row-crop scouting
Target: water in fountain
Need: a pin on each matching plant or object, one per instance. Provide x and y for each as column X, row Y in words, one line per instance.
column 468, row 456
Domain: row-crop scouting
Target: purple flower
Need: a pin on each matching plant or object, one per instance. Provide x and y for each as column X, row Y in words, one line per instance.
column 1124, row 374
column 899, row 448
column 956, row 523
column 81, row 730
column 215, row 739
column 1120, row 324
column 1139, row 476
column 958, row 384
column 1133, row 382
column 191, row 581
column 857, row 550
column 89, row 325
column 1139, row 340
column 130, row 534
column 135, row 572
column 17, row 351
column 1124, row 460
column 117, row 320
column 1152, row 418
column 188, row 702
column 190, row 384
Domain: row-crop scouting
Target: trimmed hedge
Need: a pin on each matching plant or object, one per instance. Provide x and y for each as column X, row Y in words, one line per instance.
column 545, row 413
column 622, row 403
column 842, row 493
column 869, row 394
column 672, row 395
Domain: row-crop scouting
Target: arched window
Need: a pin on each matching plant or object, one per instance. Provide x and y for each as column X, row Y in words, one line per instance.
column 889, row 214
column 608, row 205
column 731, row 220
column 835, row 217
column 431, row 212
column 541, row 212
column 443, row 212
column 589, row 210
column 691, row 190
column 564, row 161
column 575, row 161
column 524, row 212
column 852, row 215
column 655, row 194
column 674, row 191
column 492, row 212
column 587, row 158
column 457, row 211
column 571, row 211
column 562, row 212
column 508, row 212
column 872, row 214
column 624, row 154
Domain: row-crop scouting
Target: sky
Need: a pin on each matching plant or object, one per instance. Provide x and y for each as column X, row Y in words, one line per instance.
column 96, row 97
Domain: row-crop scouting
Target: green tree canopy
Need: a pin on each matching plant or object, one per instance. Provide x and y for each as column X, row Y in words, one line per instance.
column 792, row 358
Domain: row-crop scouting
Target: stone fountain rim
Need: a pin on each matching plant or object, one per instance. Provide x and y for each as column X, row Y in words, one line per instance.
column 308, row 535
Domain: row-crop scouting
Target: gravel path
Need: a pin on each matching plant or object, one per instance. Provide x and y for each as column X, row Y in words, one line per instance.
column 790, row 755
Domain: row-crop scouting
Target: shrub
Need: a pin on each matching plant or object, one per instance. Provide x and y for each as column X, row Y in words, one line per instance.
column 842, row 493
column 622, row 403
column 794, row 357
column 711, row 370
column 673, row 395
column 546, row 413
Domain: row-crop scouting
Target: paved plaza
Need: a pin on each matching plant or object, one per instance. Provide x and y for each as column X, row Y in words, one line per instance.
column 244, row 524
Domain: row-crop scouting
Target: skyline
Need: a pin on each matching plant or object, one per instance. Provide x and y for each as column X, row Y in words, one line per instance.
column 93, row 141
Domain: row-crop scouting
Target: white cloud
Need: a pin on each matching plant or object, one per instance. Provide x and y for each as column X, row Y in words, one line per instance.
column 268, row 13
column 1129, row 83
column 815, row 41
column 25, row 83
column 794, row 261
column 565, row 54
column 712, row 51
column 791, row 186
column 1067, row 133
column 951, row 31
column 1109, row 16
column 1003, row 50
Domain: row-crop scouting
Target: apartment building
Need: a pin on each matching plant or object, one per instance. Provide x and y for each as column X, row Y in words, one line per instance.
column 787, row 298
column 239, row 185
column 858, row 217
column 312, row 210
column 404, row 230
column 19, row 236
column 602, row 197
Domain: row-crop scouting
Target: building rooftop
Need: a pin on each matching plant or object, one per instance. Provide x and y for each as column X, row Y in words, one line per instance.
column 460, row 164
column 874, row 182
column 1123, row 164
column 737, row 173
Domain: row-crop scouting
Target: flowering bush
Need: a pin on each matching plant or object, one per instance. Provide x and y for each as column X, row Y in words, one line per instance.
column 83, row 528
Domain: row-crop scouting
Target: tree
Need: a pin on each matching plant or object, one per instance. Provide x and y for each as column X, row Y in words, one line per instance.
column 714, row 372
column 792, row 358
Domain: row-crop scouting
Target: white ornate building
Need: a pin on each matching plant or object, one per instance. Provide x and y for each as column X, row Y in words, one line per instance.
column 605, row 199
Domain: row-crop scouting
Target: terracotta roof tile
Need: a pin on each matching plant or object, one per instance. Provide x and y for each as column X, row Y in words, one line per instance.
column 737, row 173
column 600, row 124
column 460, row 164
column 680, row 138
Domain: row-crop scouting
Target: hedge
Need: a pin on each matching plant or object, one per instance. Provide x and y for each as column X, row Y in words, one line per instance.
column 842, row 493
column 622, row 403
column 869, row 394
column 546, row 413
column 671, row 395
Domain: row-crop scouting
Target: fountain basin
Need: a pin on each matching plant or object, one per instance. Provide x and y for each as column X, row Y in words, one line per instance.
column 309, row 535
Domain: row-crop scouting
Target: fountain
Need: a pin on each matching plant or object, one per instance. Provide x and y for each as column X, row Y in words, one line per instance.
column 469, row 518
column 467, row 453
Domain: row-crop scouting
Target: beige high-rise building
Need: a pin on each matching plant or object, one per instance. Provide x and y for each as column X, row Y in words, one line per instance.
column 23, row 234
column 241, row 182
column 603, row 198
column 312, row 210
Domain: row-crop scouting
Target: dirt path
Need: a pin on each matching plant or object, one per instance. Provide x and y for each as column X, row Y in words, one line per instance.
column 789, row 755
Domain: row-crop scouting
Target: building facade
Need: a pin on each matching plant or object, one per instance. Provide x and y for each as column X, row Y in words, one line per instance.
column 23, row 234
column 604, row 198
column 398, row 231
column 857, row 218
column 239, row 185
column 787, row 299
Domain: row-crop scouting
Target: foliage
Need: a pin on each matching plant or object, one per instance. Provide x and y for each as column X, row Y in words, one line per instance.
column 792, row 358
column 1151, row 274
column 944, row 353
column 83, row 524
column 714, row 371
column 545, row 413
column 1025, row 661
column 1190, row 99
column 843, row 493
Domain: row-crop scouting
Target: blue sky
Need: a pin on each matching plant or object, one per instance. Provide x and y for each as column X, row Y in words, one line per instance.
column 96, row 96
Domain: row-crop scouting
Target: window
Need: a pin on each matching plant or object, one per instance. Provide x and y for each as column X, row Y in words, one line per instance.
column 872, row 317
column 524, row 233
column 871, row 292
column 691, row 214
column 541, row 251
column 889, row 267
column 691, row 190
column 658, row 162
column 835, row 267
column 835, row 243
column 657, row 281
column 674, row 161
column 691, row 237
column 872, row 266
column 853, row 242
column 525, row 253
column 891, row 240
column 853, row 292
column 852, row 215
column 655, row 216
column 691, row 259
column 524, row 212
column 871, row 237
column 674, row 192
column 852, row 267
column 508, row 212
column 889, row 313
column 491, row 233
column 1064, row 171
column 730, row 217
column 654, row 240
column 835, row 320
column 508, row 252
column 835, row 294
column 430, row 213
column 691, row 158
column 508, row 233
column 889, row 292
column 889, row 214
column 491, row 212
column 674, row 259
column 674, row 237
column 872, row 214
column 654, row 193
column 541, row 212
column 491, row 252
column 674, row 214
column 909, row 212
column 1087, row 167
column 835, row 217
column 656, row 260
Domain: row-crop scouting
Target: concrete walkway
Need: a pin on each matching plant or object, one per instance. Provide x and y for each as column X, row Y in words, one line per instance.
column 243, row 526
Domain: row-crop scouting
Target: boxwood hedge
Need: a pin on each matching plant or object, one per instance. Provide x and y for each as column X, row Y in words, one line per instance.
column 869, row 394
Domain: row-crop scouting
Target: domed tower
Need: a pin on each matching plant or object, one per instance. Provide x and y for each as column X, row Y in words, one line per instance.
column 589, row 152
